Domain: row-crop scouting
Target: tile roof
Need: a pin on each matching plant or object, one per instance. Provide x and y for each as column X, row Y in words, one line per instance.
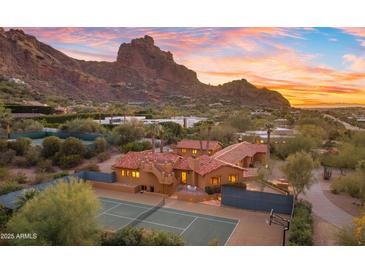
column 195, row 144
column 235, row 153
column 205, row 164
column 132, row 159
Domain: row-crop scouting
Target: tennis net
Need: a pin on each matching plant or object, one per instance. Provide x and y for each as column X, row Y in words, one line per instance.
column 147, row 213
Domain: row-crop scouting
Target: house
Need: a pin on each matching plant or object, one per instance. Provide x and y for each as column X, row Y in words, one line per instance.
column 163, row 172
column 243, row 154
column 195, row 148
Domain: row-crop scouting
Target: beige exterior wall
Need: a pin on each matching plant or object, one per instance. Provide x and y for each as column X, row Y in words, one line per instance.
column 146, row 179
column 223, row 173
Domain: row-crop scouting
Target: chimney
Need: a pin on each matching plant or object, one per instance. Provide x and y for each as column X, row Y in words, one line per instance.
column 201, row 144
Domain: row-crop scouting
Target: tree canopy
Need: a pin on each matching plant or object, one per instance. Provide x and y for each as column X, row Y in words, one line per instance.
column 63, row 214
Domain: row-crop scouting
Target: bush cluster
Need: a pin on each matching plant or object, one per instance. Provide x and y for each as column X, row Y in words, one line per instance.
column 136, row 146
column 301, row 226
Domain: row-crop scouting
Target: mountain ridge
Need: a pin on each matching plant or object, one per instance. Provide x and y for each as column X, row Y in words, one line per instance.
column 141, row 71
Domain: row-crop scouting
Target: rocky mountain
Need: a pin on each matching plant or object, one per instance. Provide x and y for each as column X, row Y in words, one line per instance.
column 142, row 71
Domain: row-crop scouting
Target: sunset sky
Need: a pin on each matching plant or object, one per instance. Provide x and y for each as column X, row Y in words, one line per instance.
column 309, row 66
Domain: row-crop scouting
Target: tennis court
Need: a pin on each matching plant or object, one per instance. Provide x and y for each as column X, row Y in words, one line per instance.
column 196, row 229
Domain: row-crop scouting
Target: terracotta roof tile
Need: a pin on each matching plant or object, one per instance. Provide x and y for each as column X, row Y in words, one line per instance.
column 235, row 153
column 131, row 160
column 195, row 144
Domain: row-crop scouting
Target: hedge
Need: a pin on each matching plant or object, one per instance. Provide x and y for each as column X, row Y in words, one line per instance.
column 301, row 226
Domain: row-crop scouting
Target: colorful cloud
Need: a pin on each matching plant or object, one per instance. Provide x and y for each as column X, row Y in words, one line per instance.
column 307, row 65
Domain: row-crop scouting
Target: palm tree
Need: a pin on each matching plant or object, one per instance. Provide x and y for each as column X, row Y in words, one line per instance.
column 5, row 119
column 156, row 130
column 269, row 128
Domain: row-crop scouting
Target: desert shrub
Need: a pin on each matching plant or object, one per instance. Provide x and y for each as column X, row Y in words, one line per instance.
column 20, row 178
column 4, row 173
column 40, row 178
column 60, row 174
column 50, row 146
column 20, row 145
column 350, row 183
column 131, row 236
column 212, row 189
column 3, row 145
column 89, row 167
column 100, row 145
column 89, row 152
column 7, row 157
column 45, row 165
column 136, row 146
column 33, row 155
column 72, row 146
column 9, row 187
column 104, row 156
column 26, row 125
column 27, row 195
column 82, row 125
column 301, row 226
column 20, row 161
column 69, row 161
column 5, row 215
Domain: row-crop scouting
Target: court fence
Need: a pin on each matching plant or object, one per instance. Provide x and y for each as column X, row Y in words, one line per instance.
column 61, row 134
column 255, row 200
column 9, row 200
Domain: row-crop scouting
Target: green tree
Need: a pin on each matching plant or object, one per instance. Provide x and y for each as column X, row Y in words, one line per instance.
column 127, row 132
column 298, row 170
column 72, row 146
column 50, row 146
column 63, row 214
column 293, row 145
column 353, row 235
column 100, row 144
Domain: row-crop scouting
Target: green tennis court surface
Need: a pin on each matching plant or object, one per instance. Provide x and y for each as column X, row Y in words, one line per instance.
column 196, row 229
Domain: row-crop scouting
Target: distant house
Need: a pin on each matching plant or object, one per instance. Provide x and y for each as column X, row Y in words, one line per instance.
column 195, row 148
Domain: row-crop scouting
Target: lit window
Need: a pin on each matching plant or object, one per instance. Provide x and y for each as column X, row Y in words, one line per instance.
column 183, row 150
column 209, row 152
column 127, row 173
column 135, row 173
column 215, row 180
column 123, row 172
column 195, row 151
column 233, row 178
column 183, row 177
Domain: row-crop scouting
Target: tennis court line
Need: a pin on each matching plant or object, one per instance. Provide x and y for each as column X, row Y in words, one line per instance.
column 232, row 232
column 186, row 228
column 107, row 210
column 176, row 213
column 142, row 221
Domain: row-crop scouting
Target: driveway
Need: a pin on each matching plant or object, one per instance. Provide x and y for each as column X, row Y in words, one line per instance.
column 323, row 207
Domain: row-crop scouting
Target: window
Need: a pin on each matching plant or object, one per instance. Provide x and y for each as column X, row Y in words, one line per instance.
column 183, row 150
column 183, row 177
column 233, row 178
column 195, row 151
column 123, row 172
column 215, row 180
column 135, row 173
column 127, row 173
column 209, row 152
